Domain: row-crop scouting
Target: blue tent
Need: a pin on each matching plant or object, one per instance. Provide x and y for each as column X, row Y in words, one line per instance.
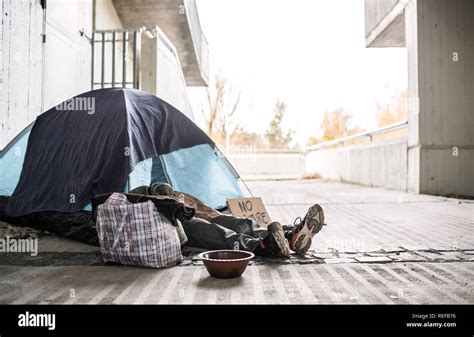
column 110, row 140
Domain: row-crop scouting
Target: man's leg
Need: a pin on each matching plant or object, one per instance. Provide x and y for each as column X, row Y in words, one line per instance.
column 210, row 235
column 230, row 232
column 272, row 238
column 241, row 225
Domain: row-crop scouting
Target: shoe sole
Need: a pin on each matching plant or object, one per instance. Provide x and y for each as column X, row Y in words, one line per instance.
column 276, row 230
column 314, row 222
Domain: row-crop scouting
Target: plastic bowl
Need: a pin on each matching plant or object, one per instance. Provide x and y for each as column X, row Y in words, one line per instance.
column 226, row 263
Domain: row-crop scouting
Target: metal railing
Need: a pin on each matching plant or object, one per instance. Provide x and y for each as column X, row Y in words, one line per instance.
column 253, row 149
column 362, row 135
column 121, row 41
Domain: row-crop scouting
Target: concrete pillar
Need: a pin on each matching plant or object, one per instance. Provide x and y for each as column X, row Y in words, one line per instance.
column 440, row 48
column 161, row 73
column 148, row 62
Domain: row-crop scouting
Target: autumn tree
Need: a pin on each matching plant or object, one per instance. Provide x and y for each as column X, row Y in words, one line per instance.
column 335, row 124
column 394, row 111
column 275, row 135
column 312, row 140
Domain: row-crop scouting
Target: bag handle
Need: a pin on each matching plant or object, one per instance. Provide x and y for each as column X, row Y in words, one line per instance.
column 119, row 230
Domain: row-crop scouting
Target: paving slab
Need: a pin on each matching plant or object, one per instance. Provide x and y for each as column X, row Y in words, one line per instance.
column 349, row 255
column 324, row 255
column 368, row 219
column 373, row 259
column 392, row 283
column 451, row 256
column 430, row 255
column 407, row 257
column 365, row 227
column 339, row 260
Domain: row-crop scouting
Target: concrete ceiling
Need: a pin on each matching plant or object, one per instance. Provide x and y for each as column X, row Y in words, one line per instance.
column 169, row 16
column 391, row 36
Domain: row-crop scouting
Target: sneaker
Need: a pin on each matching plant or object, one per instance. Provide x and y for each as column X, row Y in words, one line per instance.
column 303, row 233
column 275, row 244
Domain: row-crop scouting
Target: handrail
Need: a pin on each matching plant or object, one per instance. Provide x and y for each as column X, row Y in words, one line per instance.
column 340, row 141
column 257, row 151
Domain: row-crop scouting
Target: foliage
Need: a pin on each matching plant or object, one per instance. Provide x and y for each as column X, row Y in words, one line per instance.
column 335, row 124
column 275, row 135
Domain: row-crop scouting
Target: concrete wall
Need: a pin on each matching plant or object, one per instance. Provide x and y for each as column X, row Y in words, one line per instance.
column 20, row 66
column 284, row 165
column 67, row 52
column 161, row 73
column 381, row 164
column 35, row 75
column 106, row 16
column 439, row 37
column 440, row 41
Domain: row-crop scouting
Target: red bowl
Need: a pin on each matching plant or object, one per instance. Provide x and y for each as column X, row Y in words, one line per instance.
column 226, row 263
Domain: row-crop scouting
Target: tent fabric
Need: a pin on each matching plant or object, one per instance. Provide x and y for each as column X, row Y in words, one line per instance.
column 141, row 174
column 207, row 179
column 11, row 162
column 157, row 172
column 73, row 154
column 74, row 225
column 199, row 171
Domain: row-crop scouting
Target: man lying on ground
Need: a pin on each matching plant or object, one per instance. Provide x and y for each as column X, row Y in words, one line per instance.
column 210, row 229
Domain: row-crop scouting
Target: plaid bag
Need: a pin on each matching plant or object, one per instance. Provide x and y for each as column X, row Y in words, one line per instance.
column 136, row 234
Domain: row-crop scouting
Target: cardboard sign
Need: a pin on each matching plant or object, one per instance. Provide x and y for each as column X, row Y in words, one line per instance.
column 250, row 208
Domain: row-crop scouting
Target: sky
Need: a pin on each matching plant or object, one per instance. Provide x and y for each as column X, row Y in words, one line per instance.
column 310, row 54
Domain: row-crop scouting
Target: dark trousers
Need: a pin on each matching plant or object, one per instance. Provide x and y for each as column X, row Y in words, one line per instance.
column 225, row 232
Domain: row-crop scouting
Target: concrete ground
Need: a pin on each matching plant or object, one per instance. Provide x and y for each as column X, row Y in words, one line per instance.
column 379, row 246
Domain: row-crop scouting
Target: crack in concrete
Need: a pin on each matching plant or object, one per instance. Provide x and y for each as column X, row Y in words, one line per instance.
column 312, row 257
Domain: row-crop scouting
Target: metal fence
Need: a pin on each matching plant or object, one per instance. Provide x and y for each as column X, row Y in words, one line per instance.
column 118, row 53
column 359, row 136
column 252, row 149
column 367, row 135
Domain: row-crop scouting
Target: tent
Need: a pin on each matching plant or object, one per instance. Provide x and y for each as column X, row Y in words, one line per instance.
column 110, row 140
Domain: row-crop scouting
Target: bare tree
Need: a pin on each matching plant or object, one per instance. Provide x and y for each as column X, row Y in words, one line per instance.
column 223, row 102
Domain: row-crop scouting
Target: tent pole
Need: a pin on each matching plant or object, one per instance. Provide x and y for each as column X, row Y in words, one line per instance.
column 245, row 184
